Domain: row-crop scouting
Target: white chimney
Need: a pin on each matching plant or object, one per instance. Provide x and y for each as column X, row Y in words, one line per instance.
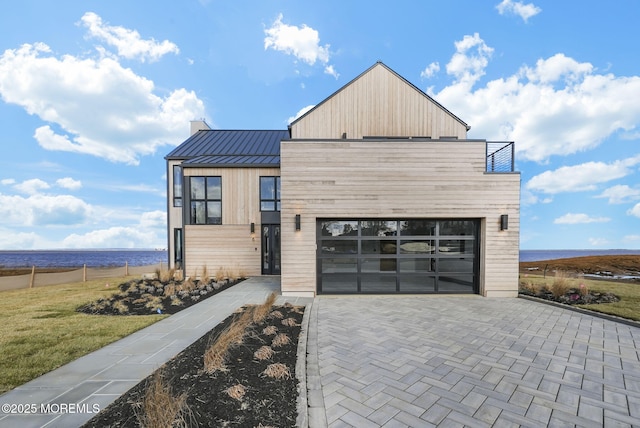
column 198, row 125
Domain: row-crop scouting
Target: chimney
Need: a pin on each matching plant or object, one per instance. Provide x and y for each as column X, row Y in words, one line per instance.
column 198, row 125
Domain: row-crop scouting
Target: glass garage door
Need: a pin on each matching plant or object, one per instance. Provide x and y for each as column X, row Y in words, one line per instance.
column 397, row 256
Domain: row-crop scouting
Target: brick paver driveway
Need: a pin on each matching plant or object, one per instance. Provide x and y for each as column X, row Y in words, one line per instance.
column 472, row 361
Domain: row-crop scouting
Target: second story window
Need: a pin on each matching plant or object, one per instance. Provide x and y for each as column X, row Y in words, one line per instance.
column 206, row 200
column 269, row 193
column 177, row 186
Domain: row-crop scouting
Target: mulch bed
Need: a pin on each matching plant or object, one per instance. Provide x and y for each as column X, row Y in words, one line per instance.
column 152, row 296
column 210, row 398
column 573, row 296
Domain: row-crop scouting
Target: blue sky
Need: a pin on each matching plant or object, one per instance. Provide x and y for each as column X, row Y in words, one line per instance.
column 94, row 94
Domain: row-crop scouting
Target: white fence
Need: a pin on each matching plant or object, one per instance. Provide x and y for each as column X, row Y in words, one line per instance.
column 83, row 274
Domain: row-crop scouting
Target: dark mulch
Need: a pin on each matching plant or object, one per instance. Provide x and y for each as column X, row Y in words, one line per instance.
column 151, row 296
column 267, row 401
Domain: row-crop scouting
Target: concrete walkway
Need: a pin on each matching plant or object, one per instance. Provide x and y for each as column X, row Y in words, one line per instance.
column 71, row 393
column 420, row 361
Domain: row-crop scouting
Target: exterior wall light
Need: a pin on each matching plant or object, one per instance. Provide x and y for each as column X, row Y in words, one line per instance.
column 297, row 222
column 253, row 228
column 504, row 222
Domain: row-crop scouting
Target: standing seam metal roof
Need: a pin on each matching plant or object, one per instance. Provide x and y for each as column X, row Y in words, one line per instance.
column 218, row 142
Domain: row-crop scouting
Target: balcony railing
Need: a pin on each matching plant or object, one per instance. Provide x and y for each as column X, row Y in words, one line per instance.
column 500, row 157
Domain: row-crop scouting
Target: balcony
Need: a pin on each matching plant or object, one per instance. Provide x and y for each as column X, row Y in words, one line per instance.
column 500, row 156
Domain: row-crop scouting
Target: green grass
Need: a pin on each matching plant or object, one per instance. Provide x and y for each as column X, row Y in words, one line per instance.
column 629, row 294
column 40, row 329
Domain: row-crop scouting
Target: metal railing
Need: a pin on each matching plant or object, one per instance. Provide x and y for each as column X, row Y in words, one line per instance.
column 500, row 157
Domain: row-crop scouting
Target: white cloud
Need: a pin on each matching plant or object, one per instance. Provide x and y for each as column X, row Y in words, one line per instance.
column 153, row 219
column 69, row 183
column 38, row 210
column 301, row 42
column 330, row 70
column 430, row 70
column 32, row 186
column 635, row 211
column 471, row 58
column 113, row 237
column 524, row 11
column 598, row 242
column 7, row 181
column 149, row 233
column 631, row 238
column 301, row 112
column 557, row 107
column 620, row 194
column 128, row 42
column 571, row 218
column 581, row 177
column 94, row 106
column 12, row 240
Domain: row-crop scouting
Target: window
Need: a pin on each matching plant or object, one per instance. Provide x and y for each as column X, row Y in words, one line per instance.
column 177, row 186
column 269, row 193
column 206, row 200
column 177, row 248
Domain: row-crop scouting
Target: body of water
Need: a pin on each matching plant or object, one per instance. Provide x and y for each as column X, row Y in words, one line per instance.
column 78, row 258
column 111, row 258
column 535, row 255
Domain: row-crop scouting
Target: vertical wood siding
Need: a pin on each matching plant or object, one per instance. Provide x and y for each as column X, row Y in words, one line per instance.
column 378, row 103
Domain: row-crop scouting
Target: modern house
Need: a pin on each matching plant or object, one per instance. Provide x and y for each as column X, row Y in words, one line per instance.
column 377, row 189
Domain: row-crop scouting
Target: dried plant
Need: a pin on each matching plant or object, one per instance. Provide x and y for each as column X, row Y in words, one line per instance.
column 219, row 276
column 264, row 353
column 175, row 301
column 280, row 340
column 561, row 284
column 289, row 322
column 155, row 303
column 204, row 278
column 232, row 276
column 236, row 392
column 160, row 408
column 276, row 314
column 583, row 289
column 260, row 312
column 270, row 330
column 170, row 290
column 277, row 371
column 216, row 354
column 166, row 275
column 121, row 306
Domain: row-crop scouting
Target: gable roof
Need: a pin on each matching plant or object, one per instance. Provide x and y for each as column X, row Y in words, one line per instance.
column 230, row 147
column 381, row 64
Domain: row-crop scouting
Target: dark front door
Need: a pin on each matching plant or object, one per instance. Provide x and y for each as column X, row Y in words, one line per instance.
column 271, row 249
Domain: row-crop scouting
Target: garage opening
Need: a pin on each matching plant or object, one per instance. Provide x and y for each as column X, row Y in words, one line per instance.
column 397, row 256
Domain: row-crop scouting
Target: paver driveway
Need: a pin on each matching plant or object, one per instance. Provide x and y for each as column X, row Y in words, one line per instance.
column 472, row 361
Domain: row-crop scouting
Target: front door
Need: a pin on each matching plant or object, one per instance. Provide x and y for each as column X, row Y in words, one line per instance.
column 271, row 249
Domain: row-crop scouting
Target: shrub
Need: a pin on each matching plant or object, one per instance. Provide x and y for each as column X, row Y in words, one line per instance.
column 204, row 278
column 220, row 276
column 160, row 408
column 277, row 371
column 236, row 392
column 560, row 285
column 280, row 340
column 264, row 353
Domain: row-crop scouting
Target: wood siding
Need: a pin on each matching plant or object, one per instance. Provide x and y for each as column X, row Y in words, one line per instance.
column 378, row 103
column 230, row 247
column 399, row 179
column 230, row 244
